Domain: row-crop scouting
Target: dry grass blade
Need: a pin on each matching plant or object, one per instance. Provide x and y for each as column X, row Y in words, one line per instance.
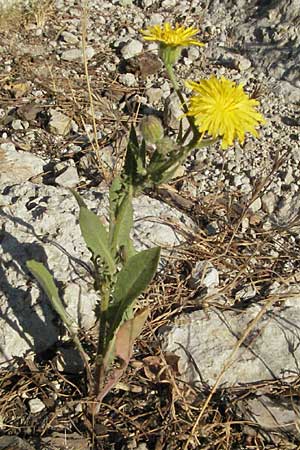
column 94, row 143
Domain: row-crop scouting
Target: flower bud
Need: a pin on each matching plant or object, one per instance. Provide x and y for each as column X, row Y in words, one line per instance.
column 169, row 54
column 165, row 145
column 152, row 129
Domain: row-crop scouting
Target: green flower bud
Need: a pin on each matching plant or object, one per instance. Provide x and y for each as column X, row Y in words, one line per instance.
column 165, row 145
column 169, row 54
column 151, row 129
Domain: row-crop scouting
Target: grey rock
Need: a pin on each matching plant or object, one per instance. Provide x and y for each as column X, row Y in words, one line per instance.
column 75, row 54
column 41, row 222
column 154, row 95
column 68, row 360
column 255, row 206
column 270, row 350
column 59, row 123
column 14, row 442
column 212, row 228
column 271, row 414
column 268, row 201
column 131, row 49
column 69, row 178
column 18, row 166
column 173, row 112
column 70, row 38
column 205, row 274
column 36, row 405
column 128, row 79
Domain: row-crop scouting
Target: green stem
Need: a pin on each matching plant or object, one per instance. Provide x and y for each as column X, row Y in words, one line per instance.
column 101, row 350
column 175, row 84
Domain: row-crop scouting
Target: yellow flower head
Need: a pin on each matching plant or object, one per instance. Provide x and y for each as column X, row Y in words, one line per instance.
column 222, row 109
column 174, row 37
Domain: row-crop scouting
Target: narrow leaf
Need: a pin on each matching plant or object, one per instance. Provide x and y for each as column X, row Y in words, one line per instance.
column 123, row 347
column 123, row 225
column 130, row 166
column 134, row 277
column 94, row 234
column 45, row 279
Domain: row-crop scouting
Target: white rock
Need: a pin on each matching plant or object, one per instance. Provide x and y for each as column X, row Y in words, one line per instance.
column 69, row 37
column 154, row 95
column 168, row 3
column 246, row 293
column 36, row 405
column 268, row 201
column 205, row 274
column 128, row 79
column 243, row 63
column 131, row 49
column 17, row 124
column 156, row 19
column 69, row 178
column 211, row 336
column 175, row 112
column 41, row 222
column 75, row 54
column 18, row 166
column 289, row 176
column 255, row 206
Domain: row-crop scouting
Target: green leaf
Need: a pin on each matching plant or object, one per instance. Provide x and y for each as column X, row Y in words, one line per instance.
column 179, row 139
column 123, row 225
column 116, row 194
column 135, row 159
column 45, row 279
column 130, row 166
column 121, row 216
column 132, row 280
column 95, row 234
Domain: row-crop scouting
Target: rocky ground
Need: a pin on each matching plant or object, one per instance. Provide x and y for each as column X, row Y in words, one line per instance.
column 217, row 366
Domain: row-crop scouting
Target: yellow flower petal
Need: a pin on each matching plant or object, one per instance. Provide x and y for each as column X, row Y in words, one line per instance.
column 222, row 109
column 177, row 37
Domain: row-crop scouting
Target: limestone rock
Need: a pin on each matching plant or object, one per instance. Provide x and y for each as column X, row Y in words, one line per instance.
column 75, row 54
column 131, row 49
column 270, row 351
column 41, row 222
column 271, row 414
column 18, row 166
column 36, row 405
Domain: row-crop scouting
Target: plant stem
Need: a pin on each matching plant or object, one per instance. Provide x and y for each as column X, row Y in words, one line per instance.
column 175, row 84
column 101, row 350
